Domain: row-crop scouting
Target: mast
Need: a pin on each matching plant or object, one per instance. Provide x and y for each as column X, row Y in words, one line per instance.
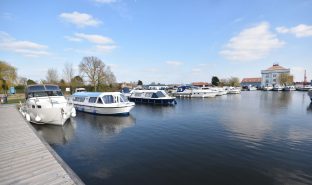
column 305, row 78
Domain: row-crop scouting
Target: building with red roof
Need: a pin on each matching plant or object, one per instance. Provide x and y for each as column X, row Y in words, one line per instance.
column 255, row 82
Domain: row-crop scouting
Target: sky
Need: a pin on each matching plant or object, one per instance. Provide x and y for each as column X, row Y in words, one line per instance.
column 162, row 41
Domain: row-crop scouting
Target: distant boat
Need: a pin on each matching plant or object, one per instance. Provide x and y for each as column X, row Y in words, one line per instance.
column 290, row 88
column 310, row 94
column 152, row 97
column 304, row 88
column 252, row 88
column 278, row 88
column 268, row 88
column 45, row 104
column 233, row 90
column 204, row 93
column 106, row 103
column 183, row 91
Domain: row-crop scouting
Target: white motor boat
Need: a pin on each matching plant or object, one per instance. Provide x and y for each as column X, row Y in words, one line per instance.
column 268, row 88
column 290, row 88
column 233, row 90
column 278, row 88
column 45, row 104
column 304, row 88
column 252, row 88
column 183, row 91
column 107, row 103
column 204, row 93
column 220, row 91
column 310, row 94
column 152, row 97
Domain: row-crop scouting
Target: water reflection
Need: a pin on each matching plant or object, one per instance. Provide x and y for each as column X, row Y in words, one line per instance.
column 275, row 101
column 249, row 126
column 54, row 134
column 309, row 108
column 108, row 125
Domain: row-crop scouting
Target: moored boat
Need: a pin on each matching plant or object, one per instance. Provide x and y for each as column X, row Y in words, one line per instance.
column 233, row 90
column 152, row 97
column 183, row 91
column 290, row 88
column 106, row 103
column 204, row 93
column 304, row 88
column 278, row 88
column 268, row 88
column 45, row 104
column 310, row 94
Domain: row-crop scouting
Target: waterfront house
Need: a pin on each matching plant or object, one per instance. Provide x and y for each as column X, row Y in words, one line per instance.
column 255, row 82
column 270, row 76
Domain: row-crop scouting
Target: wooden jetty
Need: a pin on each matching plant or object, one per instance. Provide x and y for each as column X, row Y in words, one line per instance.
column 25, row 158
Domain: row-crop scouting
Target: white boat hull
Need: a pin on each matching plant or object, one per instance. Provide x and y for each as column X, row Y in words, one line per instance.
column 106, row 110
column 204, row 94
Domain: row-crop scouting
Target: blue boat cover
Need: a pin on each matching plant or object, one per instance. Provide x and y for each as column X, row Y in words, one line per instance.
column 89, row 94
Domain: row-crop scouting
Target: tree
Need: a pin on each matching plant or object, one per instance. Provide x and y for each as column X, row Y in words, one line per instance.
column 77, row 81
column 7, row 73
column 31, row 82
column 52, row 76
column 285, row 79
column 22, row 81
column 234, row 81
column 140, row 82
column 215, row 81
column 68, row 73
column 96, row 72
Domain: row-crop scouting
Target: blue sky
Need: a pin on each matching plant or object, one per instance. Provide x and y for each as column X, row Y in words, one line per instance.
column 158, row 41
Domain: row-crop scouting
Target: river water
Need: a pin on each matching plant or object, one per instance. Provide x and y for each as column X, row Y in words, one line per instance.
column 252, row 138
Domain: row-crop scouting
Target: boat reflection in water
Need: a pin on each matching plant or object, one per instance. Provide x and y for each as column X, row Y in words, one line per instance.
column 54, row 134
column 109, row 125
column 309, row 108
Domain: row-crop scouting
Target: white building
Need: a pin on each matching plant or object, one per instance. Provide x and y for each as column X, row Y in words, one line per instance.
column 270, row 76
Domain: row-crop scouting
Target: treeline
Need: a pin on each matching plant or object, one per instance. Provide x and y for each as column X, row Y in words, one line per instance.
column 92, row 74
column 233, row 81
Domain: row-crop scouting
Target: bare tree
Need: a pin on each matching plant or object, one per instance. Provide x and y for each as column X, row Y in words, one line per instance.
column 96, row 71
column 68, row 72
column 52, row 76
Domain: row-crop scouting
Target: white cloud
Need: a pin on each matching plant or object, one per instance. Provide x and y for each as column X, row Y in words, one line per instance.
column 105, row 48
column 106, row 1
column 97, row 39
column 252, row 44
column 299, row 31
column 73, row 39
column 26, row 48
column 174, row 63
column 80, row 19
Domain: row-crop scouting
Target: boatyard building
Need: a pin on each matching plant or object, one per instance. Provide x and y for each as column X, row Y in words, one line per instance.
column 270, row 76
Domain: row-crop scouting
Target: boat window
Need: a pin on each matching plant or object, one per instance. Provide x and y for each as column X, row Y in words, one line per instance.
column 52, row 88
column 92, row 99
column 55, row 93
column 160, row 94
column 108, row 99
column 36, row 88
column 99, row 101
column 137, row 94
column 148, row 94
column 40, row 94
column 154, row 95
column 123, row 98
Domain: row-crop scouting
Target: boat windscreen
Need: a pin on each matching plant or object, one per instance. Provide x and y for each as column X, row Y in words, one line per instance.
column 52, row 88
column 123, row 98
column 160, row 94
column 36, row 88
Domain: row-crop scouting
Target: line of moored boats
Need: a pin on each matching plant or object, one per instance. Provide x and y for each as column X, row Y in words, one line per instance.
column 46, row 104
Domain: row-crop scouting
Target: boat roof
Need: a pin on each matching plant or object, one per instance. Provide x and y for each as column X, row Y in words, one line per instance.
column 42, row 87
column 94, row 94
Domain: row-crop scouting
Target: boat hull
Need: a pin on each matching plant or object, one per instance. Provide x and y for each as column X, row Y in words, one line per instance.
column 156, row 101
column 107, row 110
column 54, row 116
column 310, row 94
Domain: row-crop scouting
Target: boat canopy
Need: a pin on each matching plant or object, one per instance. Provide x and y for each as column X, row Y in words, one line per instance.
column 42, row 90
column 88, row 94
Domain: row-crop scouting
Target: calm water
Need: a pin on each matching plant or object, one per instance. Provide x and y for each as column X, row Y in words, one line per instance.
column 252, row 138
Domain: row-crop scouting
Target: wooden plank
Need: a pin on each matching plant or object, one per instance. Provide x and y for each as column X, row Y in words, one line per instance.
column 25, row 158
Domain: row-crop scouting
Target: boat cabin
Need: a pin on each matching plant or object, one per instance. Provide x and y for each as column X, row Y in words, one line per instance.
column 98, row 98
column 42, row 90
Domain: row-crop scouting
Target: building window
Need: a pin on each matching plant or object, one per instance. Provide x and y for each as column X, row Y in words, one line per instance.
column 274, row 80
column 274, row 75
column 267, row 76
column 267, row 81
